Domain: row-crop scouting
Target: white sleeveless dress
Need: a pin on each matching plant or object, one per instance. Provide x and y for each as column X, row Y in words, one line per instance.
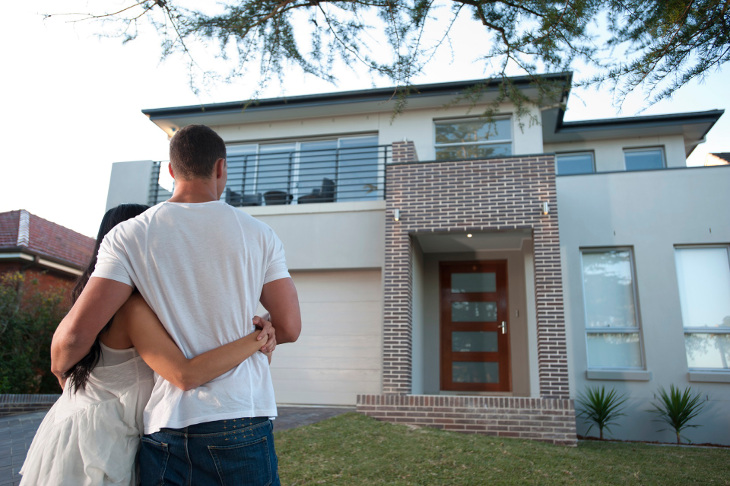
column 91, row 437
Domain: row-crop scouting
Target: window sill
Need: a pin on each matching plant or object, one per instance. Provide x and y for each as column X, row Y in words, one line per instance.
column 619, row 375
column 709, row 376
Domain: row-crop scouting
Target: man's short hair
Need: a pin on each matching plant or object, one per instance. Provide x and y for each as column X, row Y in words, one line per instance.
column 194, row 150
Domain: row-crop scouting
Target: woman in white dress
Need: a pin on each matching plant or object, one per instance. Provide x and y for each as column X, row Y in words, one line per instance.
column 91, row 434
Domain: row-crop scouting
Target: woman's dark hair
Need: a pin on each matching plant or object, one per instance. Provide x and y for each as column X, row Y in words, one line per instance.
column 78, row 375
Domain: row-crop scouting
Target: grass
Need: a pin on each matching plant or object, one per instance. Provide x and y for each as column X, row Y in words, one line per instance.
column 352, row 449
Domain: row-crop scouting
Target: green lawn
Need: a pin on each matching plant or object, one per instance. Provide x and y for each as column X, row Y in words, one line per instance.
column 352, row 449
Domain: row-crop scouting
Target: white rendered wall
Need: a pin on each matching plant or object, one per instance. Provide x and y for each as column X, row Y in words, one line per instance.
column 329, row 236
column 129, row 183
column 650, row 212
column 609, row 154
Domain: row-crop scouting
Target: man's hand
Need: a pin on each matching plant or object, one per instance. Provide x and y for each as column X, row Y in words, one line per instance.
column 267, row 331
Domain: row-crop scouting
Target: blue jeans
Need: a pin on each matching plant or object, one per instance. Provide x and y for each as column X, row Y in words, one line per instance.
column 224, row 452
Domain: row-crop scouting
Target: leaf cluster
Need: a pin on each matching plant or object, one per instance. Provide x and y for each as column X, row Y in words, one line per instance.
column 663, row 45
column 677, row 408
column 28, row 318
column 657, row 44
column 600, row 408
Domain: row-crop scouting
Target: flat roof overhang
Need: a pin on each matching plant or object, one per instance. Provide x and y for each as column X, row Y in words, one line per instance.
column 692, row 126
column 333, row 104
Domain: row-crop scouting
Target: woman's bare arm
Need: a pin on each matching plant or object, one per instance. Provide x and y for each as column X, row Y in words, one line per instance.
column 160, row 352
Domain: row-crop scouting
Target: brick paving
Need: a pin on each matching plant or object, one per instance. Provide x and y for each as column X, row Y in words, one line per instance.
column 17, row 431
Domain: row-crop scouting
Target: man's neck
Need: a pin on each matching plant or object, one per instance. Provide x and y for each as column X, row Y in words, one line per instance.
column 194, row 191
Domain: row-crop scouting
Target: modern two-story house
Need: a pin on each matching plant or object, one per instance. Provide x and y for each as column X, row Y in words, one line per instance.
column 479, row 273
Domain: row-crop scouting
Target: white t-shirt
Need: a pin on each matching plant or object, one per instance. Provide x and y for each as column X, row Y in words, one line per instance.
column 201, row 267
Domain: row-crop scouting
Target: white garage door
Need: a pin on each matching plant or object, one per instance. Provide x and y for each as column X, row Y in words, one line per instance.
column 338, row 354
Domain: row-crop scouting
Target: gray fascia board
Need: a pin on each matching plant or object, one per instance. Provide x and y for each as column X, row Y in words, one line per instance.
column 644, row 121
column 345, row 97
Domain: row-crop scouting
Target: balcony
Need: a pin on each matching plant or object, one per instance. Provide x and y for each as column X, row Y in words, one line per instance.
column 260, row 177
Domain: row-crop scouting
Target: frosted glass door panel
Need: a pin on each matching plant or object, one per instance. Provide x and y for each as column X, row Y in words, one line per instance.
column 473, row 312
column 473, row 282
column 475, row 372
column 474, row 342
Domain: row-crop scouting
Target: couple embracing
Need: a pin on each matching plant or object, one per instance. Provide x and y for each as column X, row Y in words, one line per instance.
column 175, row 287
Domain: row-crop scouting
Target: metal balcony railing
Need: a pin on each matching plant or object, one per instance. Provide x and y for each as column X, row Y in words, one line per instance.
column 298, row 177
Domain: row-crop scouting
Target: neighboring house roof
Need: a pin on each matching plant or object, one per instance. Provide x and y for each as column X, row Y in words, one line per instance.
column 721, row 158
column 25, row 236
column 332, row 104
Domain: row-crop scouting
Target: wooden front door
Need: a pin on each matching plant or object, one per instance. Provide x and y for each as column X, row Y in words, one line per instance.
column 474, row 326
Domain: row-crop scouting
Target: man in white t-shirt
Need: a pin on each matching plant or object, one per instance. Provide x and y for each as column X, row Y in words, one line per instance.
column 203, row 267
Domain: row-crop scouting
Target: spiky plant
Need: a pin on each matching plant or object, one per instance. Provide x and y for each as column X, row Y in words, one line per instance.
column 677, row 408
column 600, row 408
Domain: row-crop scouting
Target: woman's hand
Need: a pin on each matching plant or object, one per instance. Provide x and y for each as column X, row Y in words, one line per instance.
column 267, row 332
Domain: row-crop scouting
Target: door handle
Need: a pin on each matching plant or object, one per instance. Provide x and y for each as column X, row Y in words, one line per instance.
column 503, row 326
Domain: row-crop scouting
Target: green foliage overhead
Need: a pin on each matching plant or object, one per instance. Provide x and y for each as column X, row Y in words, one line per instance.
column 28, row 319
column 677, row 408
column 657, row 45
column 600, row 408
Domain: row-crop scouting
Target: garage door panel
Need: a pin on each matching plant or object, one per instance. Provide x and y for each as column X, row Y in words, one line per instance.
column 332, row 387
column 341, row 318
column 352, row 286
column 339, row 353
column 327, row 361
column 313, row 347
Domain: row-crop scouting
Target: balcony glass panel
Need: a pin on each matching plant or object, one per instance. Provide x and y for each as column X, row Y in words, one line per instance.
column 357, row 178
column 275, row 164
column 317, row 161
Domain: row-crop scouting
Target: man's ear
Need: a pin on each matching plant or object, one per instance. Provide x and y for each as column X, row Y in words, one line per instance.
column 220, row 165
column 169, row 168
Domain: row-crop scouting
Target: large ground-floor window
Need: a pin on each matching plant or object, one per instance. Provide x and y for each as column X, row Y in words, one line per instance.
column 703, row 276
column 613, row 336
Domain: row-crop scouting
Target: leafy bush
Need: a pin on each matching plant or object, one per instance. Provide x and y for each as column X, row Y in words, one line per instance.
column 677, row 408
column 600, row 408
column 28, row 318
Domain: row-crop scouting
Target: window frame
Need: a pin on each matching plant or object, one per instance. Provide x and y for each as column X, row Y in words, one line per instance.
column 578, row 152
column 659, row 148
column 696, row 329
column 441, row 121
column 636, row 330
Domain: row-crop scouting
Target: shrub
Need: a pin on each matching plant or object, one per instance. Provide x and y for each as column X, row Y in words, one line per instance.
column 28, row 318
column 677, row 408
column 600, row 408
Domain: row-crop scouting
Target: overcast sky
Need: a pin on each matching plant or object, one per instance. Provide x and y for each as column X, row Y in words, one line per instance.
column 71, row 106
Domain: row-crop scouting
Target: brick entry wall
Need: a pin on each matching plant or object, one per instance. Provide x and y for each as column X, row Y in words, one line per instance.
column 477, row 196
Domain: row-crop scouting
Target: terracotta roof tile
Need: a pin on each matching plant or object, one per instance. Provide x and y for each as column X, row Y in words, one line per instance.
column 9, row 222
column 44, row 238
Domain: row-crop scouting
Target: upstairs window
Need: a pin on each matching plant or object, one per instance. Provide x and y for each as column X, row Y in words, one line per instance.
column 703, row 276
column 613, row 336
column 473, row 138
column 644, row 158
column 575, row 163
